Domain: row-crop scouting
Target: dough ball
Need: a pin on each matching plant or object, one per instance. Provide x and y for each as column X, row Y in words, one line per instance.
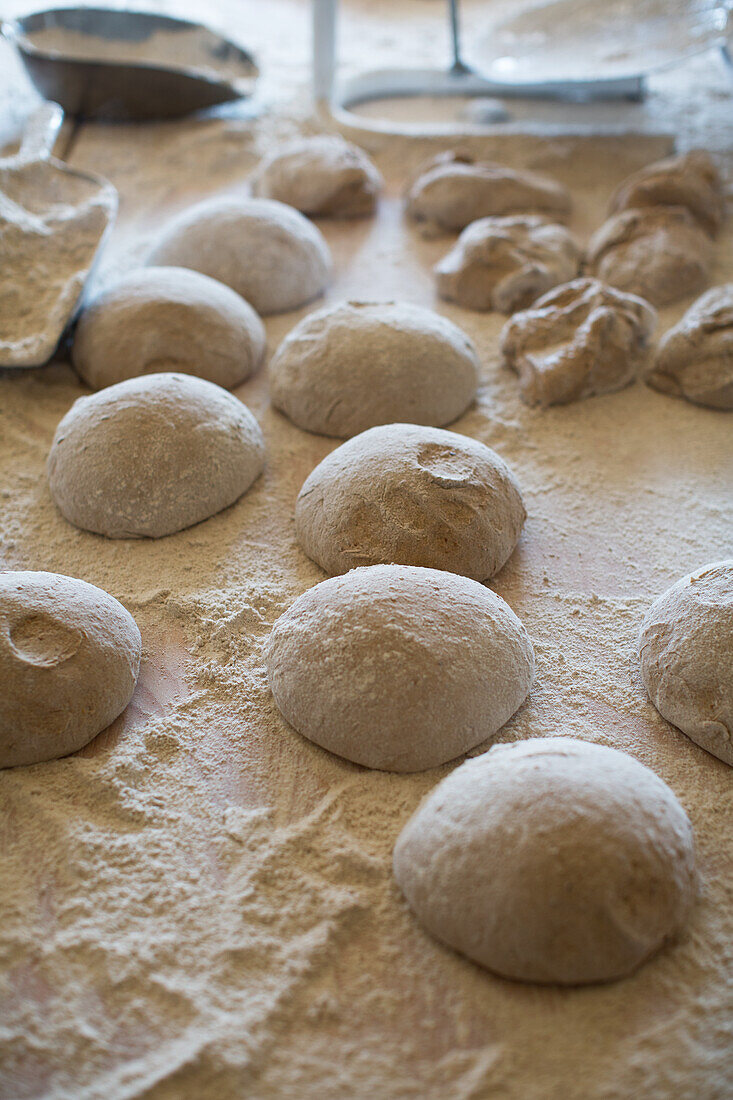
column 413, row 495
column 581, row 339
column 322, row 175
column 691, row 180
column 69, row 659
column 686, row 654
column 355, row 365
column 168, row 318
column 399, row 668
column 659, row 253
column 550, row 860
column 269, row 253
column 153, row 455
column 506, row 263
column 453, row 190
column 695, row 358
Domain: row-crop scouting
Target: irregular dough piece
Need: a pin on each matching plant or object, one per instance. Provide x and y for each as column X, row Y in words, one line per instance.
column 269, row 253
column 153, row 455
column 581, row 339
column 69, row 660
column 686, row 654
column 168, row 318
column 550, row 860
column 322, row 175
column 506, row 263
column 659, row 253
column 412, row 495
column 453, row 190
column 350, row 367
column 691, row 180
column 399, row 668
column 695, row 358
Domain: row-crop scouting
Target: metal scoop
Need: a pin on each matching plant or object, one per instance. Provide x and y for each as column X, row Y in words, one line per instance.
column 53, row 220
column 129, row 65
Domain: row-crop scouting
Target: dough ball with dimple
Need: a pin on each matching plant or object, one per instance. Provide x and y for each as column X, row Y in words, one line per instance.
column 268, row 252
column 453, row 190
column 658, row 252
column 352, row 366
column 580, row 339
column 550, row 860
column 166, row 319
column 506, row 263
column 320, row 176
column 690, row 180
column 153, row 455
column 686, row 654
column 412, row 495
column 69, row 660
column 695, row 358
column 399, row 668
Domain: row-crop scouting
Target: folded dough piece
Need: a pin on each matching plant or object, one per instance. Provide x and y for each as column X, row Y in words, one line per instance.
column 695, row 358
column 691, row 180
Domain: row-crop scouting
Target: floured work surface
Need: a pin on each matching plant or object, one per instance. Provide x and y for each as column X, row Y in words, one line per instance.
column 200, row 903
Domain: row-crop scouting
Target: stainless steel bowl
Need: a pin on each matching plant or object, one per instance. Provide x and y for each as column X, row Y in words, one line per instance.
column 128, row 65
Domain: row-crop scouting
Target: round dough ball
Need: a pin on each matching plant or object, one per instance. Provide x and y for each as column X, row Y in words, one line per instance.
column 579, row 340
column 658, row 252
column 269, row 253
column 506, row 263
column 412, row 495
column 69, row 659
column 550, row 860
column 694, row 359
column 690, row 180
column 320, row 176
column 399, row 668
column 168, row 318
column 453, row 190
column 153, row 455
column 686, row 654
column 350, row 367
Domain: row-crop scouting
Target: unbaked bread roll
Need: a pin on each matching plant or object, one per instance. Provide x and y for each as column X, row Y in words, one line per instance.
column 686, row 654
column 399, row 668
column 694, row 359
column 153, row 455
column 412, row 495
column 69, row 660
column 452, row 190
column 659, row 253
column 580, row 339
column 167, row 319
column 269, row 253
column 320, row 176
column 690, row 180
column 550, row 860
column 352, row 366
column 506, row 263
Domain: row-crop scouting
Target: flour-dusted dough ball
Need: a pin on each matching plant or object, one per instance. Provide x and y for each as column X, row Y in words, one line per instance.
column 453, row 190
column 550, row 860
column 580, row 339
column 690, row 180
column 659, row 253
column 399, row 668
column 686, row 654
column 352, row 366
column 506, row 263
column 168, row 318
column 412, row 495
column 69, row 659
column 269, row 253
column 320, row 176
column 695, row 358
column 153, row 455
